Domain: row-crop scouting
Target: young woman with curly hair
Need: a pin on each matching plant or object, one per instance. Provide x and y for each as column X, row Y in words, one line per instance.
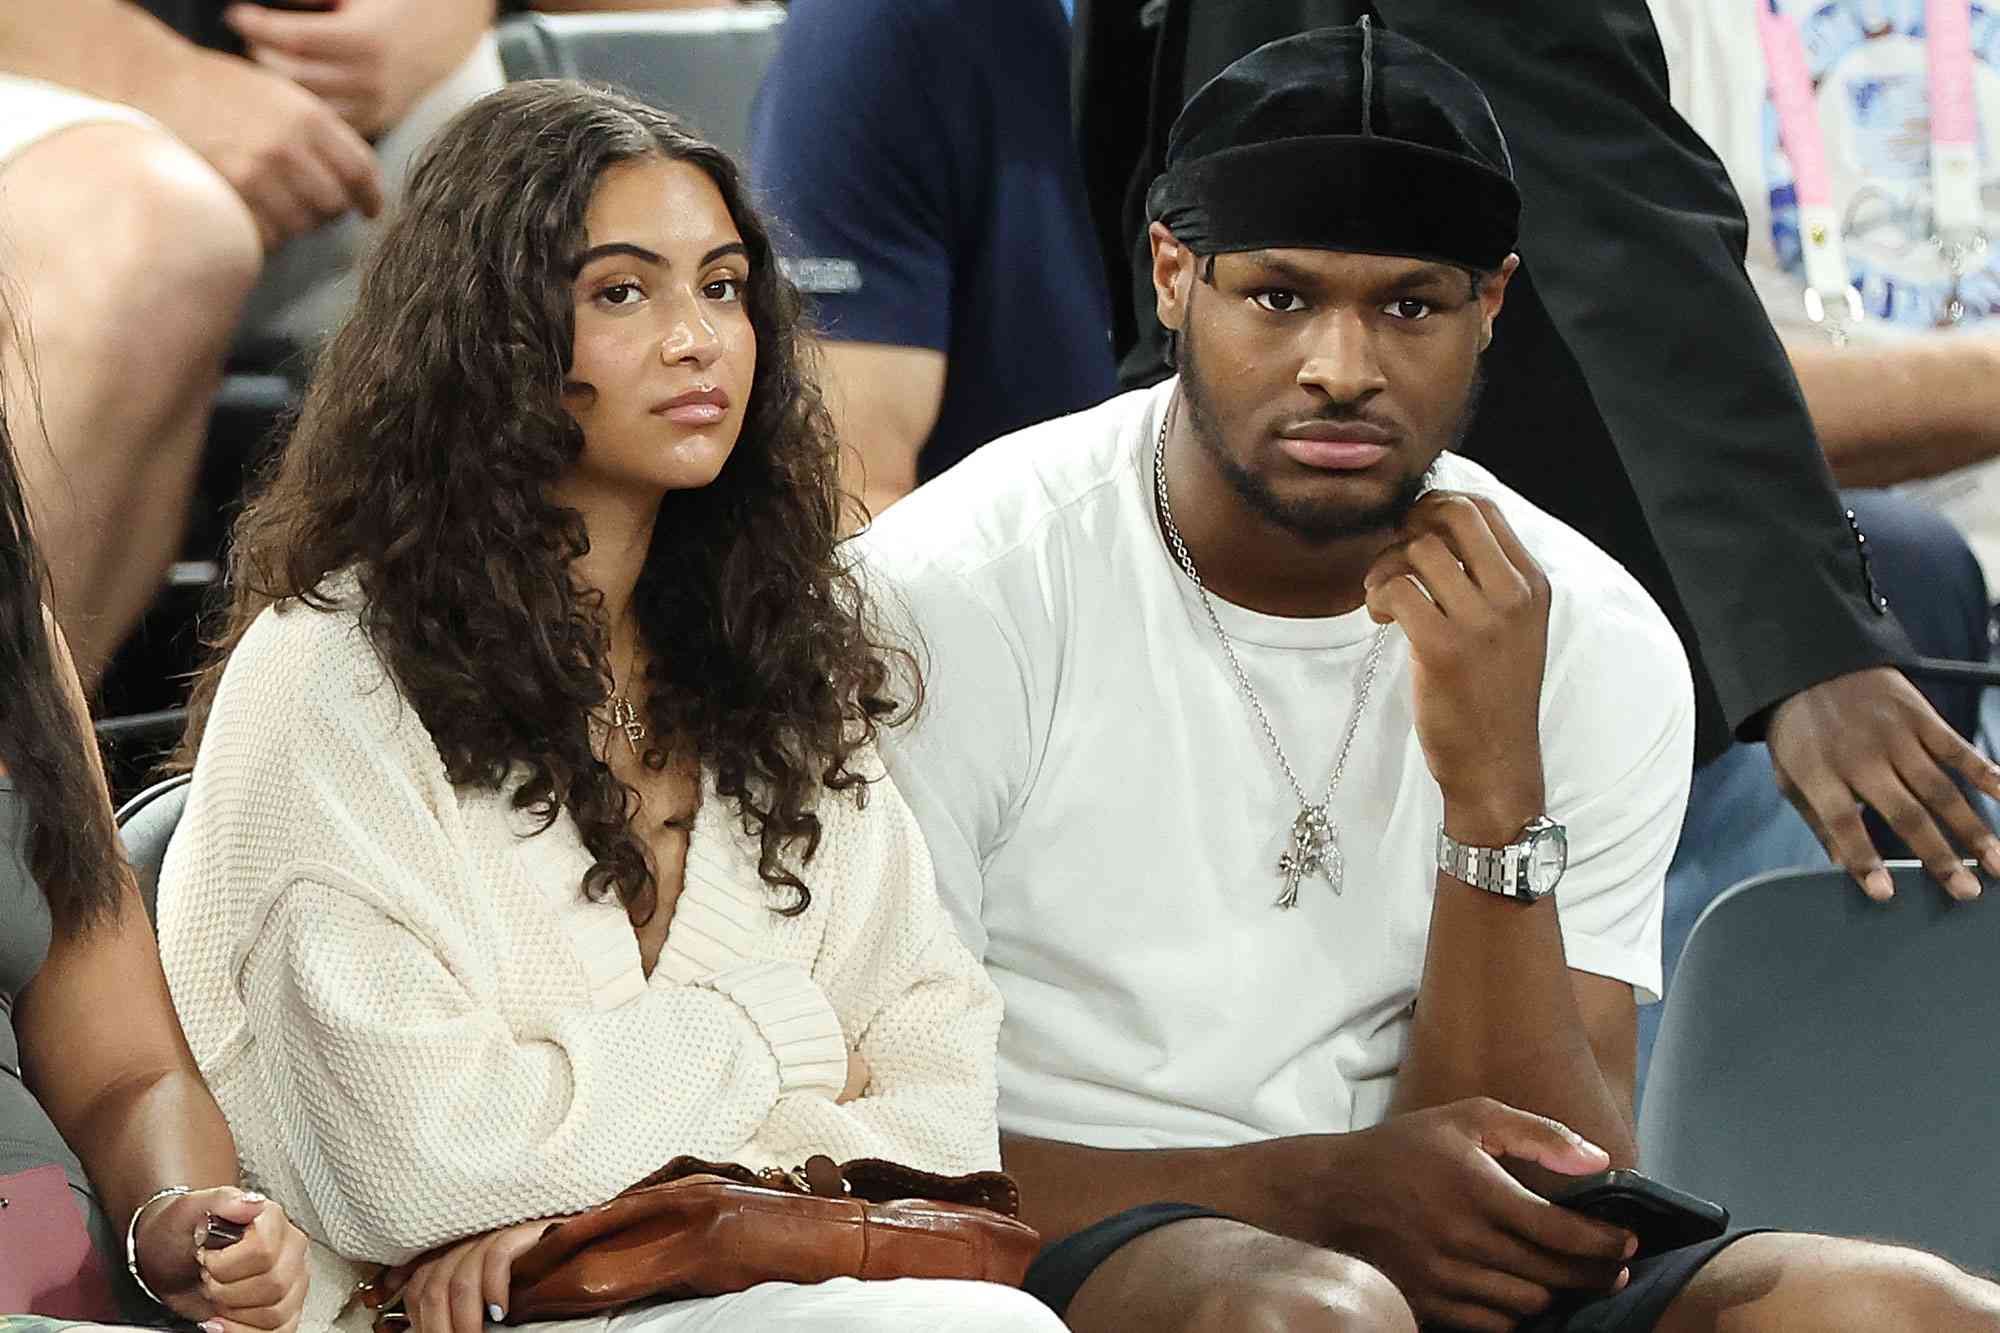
column 536, row 834
column 95, row 1076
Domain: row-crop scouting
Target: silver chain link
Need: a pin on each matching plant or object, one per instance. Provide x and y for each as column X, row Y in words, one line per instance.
column 1249, row 692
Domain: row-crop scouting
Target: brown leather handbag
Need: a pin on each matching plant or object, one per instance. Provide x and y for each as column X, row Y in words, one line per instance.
column 696, row 1228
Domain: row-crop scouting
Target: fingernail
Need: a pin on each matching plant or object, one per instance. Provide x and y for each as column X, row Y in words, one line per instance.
column 1964, row 884
column 495, row 1313
column 1879, row 885
column 1631, row 1247
column 211, row 1326
column 1989, row 856
column 1624, row 1279
column 252, row 1196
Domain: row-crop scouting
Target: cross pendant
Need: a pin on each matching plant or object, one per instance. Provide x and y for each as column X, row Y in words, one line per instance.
column 1314, row 849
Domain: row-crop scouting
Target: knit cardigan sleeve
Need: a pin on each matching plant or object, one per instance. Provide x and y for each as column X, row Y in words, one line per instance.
column 334, row 954
column 927, row 1015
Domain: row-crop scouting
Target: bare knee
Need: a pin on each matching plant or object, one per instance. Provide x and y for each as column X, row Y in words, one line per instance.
column 1780, row 1281
column 1330, row 1293
column 128, row 230
column 1881, row 1286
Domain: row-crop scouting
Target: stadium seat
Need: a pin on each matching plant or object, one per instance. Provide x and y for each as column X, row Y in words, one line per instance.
column 146, row 825
column 1827, row 1063
column 703, row 65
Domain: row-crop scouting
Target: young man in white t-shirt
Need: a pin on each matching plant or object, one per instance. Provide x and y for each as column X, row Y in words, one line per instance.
column 1256, row 725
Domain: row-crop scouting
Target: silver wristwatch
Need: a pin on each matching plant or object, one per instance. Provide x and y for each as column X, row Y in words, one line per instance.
column 1526, row 869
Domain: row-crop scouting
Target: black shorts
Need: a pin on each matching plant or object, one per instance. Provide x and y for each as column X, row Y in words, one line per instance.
column 1061, row 1269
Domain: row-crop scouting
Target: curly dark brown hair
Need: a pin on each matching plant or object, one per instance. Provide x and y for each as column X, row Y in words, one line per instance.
column 422, row 462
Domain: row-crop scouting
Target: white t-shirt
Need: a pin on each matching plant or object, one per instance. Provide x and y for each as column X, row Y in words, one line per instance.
column 1867, row 59
column 1105, row 816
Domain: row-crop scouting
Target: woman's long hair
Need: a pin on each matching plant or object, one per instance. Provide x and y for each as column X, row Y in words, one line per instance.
column 72, row 848
column 422, row 462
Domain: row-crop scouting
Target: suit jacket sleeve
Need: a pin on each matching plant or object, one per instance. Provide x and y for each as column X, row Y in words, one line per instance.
column 1636, row 241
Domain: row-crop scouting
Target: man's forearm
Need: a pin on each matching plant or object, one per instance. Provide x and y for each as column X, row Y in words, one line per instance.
column 608, row 6
column 1497, row 1016
column 1899, row 411
column 1065, row 1186
column 108, row 48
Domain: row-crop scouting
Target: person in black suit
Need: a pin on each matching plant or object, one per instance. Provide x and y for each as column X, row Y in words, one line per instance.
column 1640, row 393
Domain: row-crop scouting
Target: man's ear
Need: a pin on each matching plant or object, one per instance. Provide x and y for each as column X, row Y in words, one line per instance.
column 1493, row 295
column 1173, row 276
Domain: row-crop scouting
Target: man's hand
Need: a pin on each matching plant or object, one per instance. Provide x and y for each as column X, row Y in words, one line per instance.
column 368, row 59
column 1475, row 608
column 1871, row 738
column 458, row 1289
column 1423, row 1197
column 295, row 163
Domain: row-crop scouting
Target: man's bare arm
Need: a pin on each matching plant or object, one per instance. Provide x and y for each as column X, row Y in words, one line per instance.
column 1066, row 1186
column 1500, row 1015
column 1497, row 1012
column 607, row 6
column 885, row 402
column 1903, row 410
column 108, row 48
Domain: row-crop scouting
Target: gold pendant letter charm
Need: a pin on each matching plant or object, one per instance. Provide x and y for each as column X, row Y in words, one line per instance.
column 626, row 718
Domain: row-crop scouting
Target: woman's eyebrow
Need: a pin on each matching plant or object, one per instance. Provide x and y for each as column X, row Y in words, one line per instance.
column 644, row 255
column 638, row 252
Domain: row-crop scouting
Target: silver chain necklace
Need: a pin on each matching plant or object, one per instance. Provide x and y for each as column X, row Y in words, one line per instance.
column 1314, row 847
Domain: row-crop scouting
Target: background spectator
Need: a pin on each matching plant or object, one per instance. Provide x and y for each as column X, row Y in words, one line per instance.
column 1900, row 398
column 1914, row 393
column 153, row 191
column 920, row 152
column 95, row 1076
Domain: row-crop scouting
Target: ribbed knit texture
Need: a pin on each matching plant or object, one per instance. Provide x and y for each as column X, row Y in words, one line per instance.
column 419, row 1029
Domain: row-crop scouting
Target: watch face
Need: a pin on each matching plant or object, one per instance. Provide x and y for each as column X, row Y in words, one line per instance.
column 1548, row 854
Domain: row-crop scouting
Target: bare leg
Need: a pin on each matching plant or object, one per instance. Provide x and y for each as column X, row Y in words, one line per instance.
column 1782, row 1281
column 127, row 260
column 1206, row 1275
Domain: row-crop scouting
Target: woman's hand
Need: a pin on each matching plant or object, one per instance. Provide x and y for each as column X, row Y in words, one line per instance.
column 257, row 1285
column 858, row 1075
column 459, row 1289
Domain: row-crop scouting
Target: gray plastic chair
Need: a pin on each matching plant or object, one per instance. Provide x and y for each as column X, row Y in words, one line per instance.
column 703, row 65
column 146, row 825
column 1831, row 1064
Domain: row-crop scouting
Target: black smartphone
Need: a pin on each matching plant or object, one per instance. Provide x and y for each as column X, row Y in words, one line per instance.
column 1662, row 1217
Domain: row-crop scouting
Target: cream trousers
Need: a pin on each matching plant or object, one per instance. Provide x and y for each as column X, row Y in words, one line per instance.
column 907, row 1305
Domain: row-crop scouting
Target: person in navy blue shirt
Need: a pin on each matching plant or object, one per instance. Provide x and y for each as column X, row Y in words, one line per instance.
column 920, row 154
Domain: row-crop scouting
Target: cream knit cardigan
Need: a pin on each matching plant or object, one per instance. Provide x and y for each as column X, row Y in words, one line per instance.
column 419, row 1029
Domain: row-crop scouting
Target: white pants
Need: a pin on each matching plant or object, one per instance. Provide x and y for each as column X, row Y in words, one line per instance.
column 906, row 1305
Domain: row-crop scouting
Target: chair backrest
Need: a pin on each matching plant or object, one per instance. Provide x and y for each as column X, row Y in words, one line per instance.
column 146, row 825
column 1831, row 1064
column 703, row 65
